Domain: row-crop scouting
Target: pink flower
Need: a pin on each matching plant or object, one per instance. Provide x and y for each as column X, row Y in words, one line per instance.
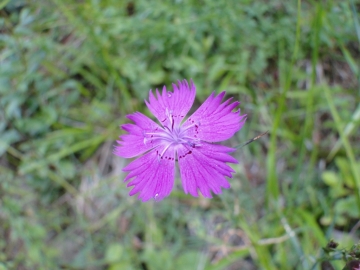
column 202, row 164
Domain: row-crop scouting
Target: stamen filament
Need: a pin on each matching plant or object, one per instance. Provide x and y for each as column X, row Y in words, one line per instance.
column 165, row 149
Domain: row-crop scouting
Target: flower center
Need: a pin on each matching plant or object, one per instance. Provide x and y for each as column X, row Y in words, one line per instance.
column 172, row 135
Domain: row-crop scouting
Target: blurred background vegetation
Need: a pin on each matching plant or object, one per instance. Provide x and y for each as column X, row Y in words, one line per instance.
column 71, row 70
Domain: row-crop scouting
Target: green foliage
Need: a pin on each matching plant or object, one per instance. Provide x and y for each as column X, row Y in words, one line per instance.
column 342, row 191
column 71, row 70
column 350, row 255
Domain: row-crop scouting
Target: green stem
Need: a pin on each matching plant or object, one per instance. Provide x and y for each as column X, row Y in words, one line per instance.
column 272, row 189
column 345, row 141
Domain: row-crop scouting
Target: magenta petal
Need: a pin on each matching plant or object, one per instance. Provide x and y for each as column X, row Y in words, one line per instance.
column 214, row 121
column 152, row 176
column 174, row 104
column 136, row 142
column 204, row 168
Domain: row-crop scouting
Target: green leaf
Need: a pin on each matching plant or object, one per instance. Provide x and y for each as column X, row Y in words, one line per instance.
column 347, row 206
column 331, row 179
column 114, row 252
column 7, row 138
column 158, row 259
column 187, row 260
column 345, row 169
